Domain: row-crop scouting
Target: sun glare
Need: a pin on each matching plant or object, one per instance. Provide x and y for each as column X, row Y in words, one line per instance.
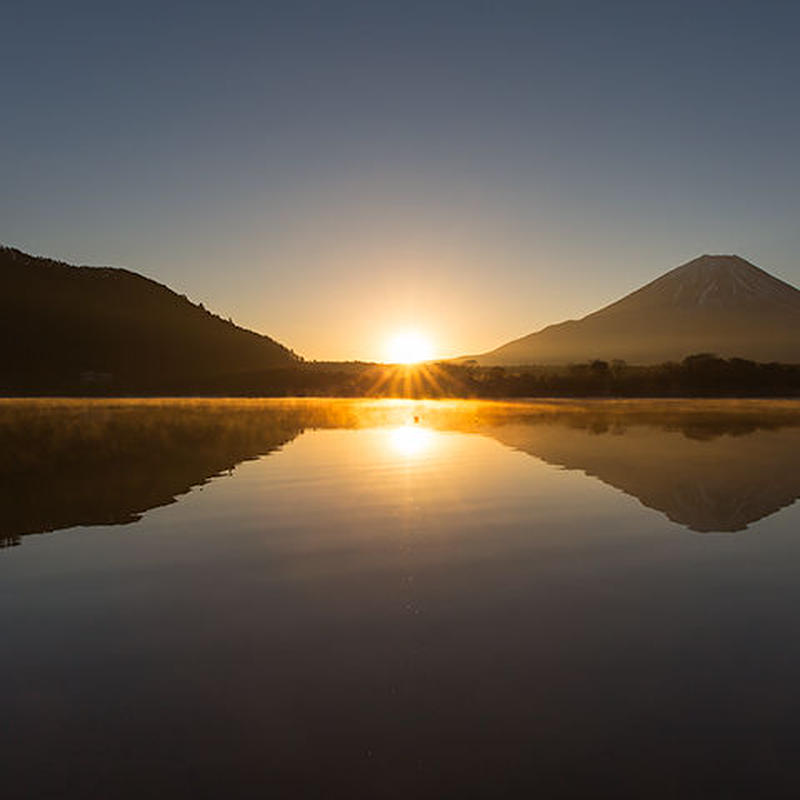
column 410, row 441
column 408, row 347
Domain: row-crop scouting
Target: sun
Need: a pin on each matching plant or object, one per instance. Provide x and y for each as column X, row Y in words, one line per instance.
column 408, row 347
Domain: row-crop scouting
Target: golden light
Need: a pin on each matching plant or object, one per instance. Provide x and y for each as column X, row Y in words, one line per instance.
column 410, row 441
column 408, row 347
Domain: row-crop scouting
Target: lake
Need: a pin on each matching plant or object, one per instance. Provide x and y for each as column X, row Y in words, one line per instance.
column 399, row 599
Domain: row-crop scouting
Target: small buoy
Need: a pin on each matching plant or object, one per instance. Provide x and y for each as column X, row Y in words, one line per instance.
column 416, row 419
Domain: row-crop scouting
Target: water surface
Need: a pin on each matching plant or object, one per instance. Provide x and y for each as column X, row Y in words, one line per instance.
column 399, row 599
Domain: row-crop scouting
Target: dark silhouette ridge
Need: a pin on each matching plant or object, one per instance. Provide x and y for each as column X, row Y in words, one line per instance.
column 715, row 466
column 718, row 304
column 105, row 327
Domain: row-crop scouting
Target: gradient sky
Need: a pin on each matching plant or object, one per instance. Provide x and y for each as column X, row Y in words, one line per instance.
column 330, row 172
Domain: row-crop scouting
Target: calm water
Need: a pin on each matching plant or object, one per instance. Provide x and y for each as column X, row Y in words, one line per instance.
column 399, row 599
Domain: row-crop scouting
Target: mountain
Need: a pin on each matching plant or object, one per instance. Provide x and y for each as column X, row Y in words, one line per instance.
column 63, row 324
column 717, row 304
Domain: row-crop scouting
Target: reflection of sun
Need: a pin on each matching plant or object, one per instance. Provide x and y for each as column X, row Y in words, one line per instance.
column 408, row 347
column 410, row 441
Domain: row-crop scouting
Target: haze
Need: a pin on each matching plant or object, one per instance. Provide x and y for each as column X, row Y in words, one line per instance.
column 331, row 173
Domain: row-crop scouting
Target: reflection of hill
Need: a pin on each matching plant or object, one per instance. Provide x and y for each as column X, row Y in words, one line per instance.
column 709, row 465
column 705, row 479
column 105, row 462
column 68, row 464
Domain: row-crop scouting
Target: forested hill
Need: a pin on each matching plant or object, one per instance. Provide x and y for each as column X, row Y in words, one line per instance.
column 61, row 324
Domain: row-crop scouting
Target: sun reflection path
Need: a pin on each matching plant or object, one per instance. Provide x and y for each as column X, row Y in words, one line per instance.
column 410, row 441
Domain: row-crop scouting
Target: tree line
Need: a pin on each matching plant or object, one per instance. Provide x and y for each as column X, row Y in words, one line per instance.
column 700, row 375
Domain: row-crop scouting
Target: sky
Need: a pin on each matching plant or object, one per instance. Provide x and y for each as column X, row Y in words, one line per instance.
column 332, row 173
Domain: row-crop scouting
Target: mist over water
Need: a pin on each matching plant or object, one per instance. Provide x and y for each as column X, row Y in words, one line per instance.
column 398, row 599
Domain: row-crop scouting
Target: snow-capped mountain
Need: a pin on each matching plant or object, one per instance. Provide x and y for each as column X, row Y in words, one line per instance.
column 718, row 304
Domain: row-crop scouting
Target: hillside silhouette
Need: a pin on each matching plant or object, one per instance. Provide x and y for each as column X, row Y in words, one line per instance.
column 719, row 304
column 66, row 326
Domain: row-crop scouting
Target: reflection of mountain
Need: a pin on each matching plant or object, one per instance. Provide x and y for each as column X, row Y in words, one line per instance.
column 712, row 466
column 66, row 464
column 709, row 483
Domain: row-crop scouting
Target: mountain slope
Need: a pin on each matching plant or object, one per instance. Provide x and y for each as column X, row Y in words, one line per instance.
column 716, row 304
column 60, row 322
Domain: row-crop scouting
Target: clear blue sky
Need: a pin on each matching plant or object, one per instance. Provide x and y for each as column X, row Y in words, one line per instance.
column 330, row 172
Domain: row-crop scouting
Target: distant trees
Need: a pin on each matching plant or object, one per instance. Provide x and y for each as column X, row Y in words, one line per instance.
column 699, row 375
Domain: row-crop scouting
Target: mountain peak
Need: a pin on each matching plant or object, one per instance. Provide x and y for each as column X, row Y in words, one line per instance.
column 714, row 281
column 715, row 264
column 719, row 259
column 712, row 304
